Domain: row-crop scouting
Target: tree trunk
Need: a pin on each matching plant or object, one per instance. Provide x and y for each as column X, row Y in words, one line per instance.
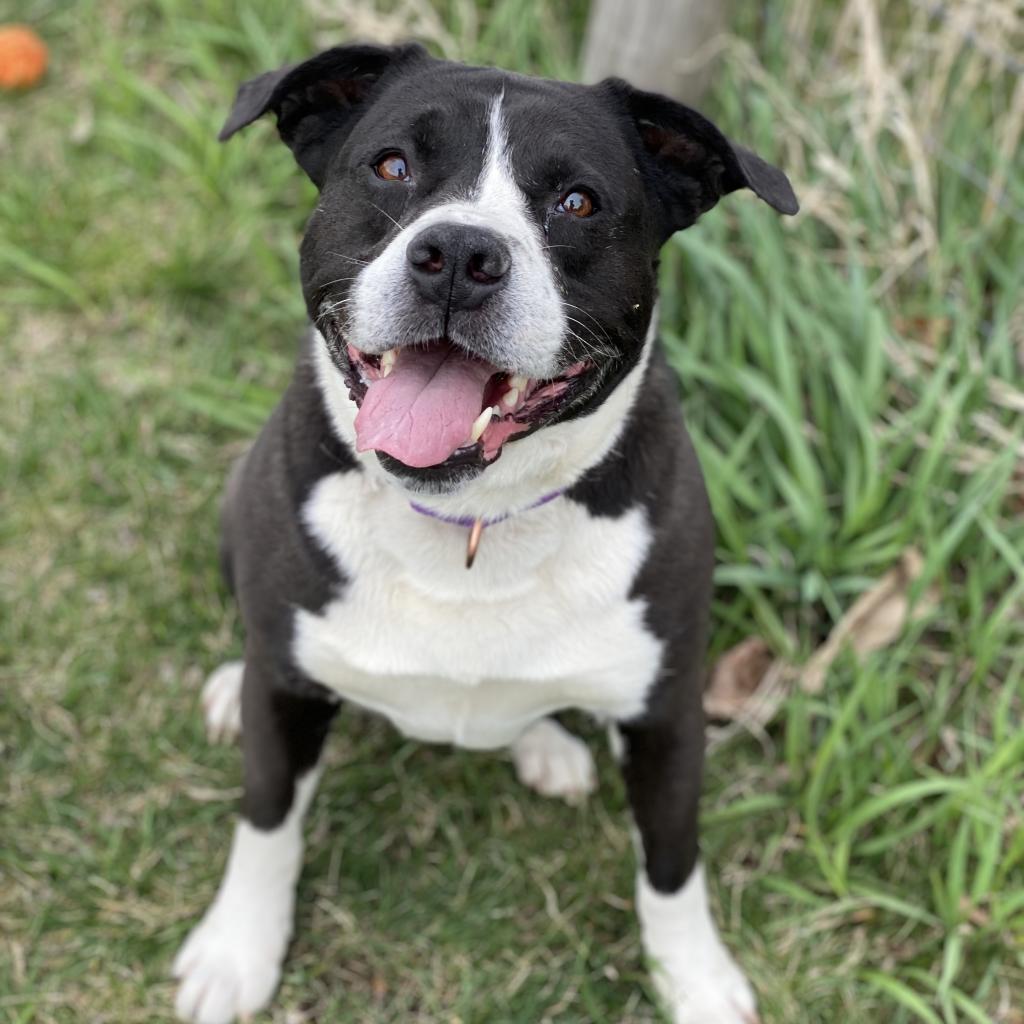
column 662, row 45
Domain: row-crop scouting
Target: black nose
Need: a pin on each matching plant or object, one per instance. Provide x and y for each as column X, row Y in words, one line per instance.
column 456, row 265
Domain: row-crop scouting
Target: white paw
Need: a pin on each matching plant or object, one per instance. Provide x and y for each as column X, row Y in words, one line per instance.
column 553, row 762
column 228, row 967
column 706, row 993
column 222, row 702
column 694, row 973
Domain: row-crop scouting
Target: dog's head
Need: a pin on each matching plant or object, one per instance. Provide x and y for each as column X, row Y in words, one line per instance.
column 482, row 259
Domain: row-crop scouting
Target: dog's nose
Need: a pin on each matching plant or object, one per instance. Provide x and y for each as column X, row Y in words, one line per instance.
column 458, row 266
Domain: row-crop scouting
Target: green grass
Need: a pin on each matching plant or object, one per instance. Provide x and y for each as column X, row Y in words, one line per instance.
column 868, row 847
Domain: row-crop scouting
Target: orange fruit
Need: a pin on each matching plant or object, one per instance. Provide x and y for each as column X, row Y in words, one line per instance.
column 23, row 57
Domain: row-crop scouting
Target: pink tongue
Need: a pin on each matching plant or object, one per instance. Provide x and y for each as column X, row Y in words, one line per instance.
column 424, row 409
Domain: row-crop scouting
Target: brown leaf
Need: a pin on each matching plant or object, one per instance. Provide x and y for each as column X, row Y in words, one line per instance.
column 874, row 620
column 929, row 329
column 737, row 677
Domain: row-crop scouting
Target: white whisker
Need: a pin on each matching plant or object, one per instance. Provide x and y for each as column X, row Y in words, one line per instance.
column 585, row 312
column 326, row 310
column 595, row 351
column 388, row 215
column 351, row 259
column 597, row 348
column 337, row 280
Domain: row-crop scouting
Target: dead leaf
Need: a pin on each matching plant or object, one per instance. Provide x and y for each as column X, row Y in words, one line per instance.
column 929, row 329
column 736, row 678
column 748, row 686
column 874, row 620
column 747, row 689
column 82, row 129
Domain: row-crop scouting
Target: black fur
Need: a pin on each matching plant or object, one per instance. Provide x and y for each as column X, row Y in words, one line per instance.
column 318, row 100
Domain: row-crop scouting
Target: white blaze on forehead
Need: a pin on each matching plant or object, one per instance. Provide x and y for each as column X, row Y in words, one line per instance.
column 497, row 182
column 523, row 325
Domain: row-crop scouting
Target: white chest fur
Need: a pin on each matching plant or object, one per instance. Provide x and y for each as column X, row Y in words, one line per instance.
column 544, row 620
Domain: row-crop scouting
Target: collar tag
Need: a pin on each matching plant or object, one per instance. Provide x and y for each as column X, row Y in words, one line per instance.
column 476, row 531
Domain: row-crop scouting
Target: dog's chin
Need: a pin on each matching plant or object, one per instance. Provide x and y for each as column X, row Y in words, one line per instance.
column 447, row 478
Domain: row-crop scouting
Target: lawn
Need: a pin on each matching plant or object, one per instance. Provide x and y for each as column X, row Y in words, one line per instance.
column 854, row 380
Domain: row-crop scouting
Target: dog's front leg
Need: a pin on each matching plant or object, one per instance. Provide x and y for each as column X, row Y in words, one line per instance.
column 230, row 965
column 662, row 759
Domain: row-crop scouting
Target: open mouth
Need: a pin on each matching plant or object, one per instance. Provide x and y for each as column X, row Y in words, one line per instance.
column 436, row 405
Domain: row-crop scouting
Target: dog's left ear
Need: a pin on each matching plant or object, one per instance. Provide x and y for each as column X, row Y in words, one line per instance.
column 318, row 100
column 691, row 164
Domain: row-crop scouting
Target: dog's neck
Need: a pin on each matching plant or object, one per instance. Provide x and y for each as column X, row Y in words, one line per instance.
column 549, row 461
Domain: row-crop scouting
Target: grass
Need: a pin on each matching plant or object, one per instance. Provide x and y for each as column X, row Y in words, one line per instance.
column 854, row 382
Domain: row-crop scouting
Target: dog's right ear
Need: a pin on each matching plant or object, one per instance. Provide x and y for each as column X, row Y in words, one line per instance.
column 317, row 100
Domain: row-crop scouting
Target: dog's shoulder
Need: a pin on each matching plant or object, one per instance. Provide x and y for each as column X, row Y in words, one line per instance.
column 271, row 561
column 654, row 466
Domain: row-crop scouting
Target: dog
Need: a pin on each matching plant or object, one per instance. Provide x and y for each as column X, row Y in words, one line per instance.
column 476, row 504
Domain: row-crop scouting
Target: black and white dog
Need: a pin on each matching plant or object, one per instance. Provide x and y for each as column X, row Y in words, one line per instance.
column 480, row 269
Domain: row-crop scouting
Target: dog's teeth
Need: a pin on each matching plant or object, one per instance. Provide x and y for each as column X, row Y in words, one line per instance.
column 481, row 423
column 510, row 398
column 518, row 383
column 387, row 362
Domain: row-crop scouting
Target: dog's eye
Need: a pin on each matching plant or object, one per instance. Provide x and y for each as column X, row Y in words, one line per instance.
column 392, row 167
column 577, row 202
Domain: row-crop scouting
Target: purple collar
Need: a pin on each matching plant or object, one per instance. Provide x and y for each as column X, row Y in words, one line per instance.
column 470, row 521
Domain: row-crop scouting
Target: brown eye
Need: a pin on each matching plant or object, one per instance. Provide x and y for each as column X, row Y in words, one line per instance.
column 577, row 202
column 392, row 167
